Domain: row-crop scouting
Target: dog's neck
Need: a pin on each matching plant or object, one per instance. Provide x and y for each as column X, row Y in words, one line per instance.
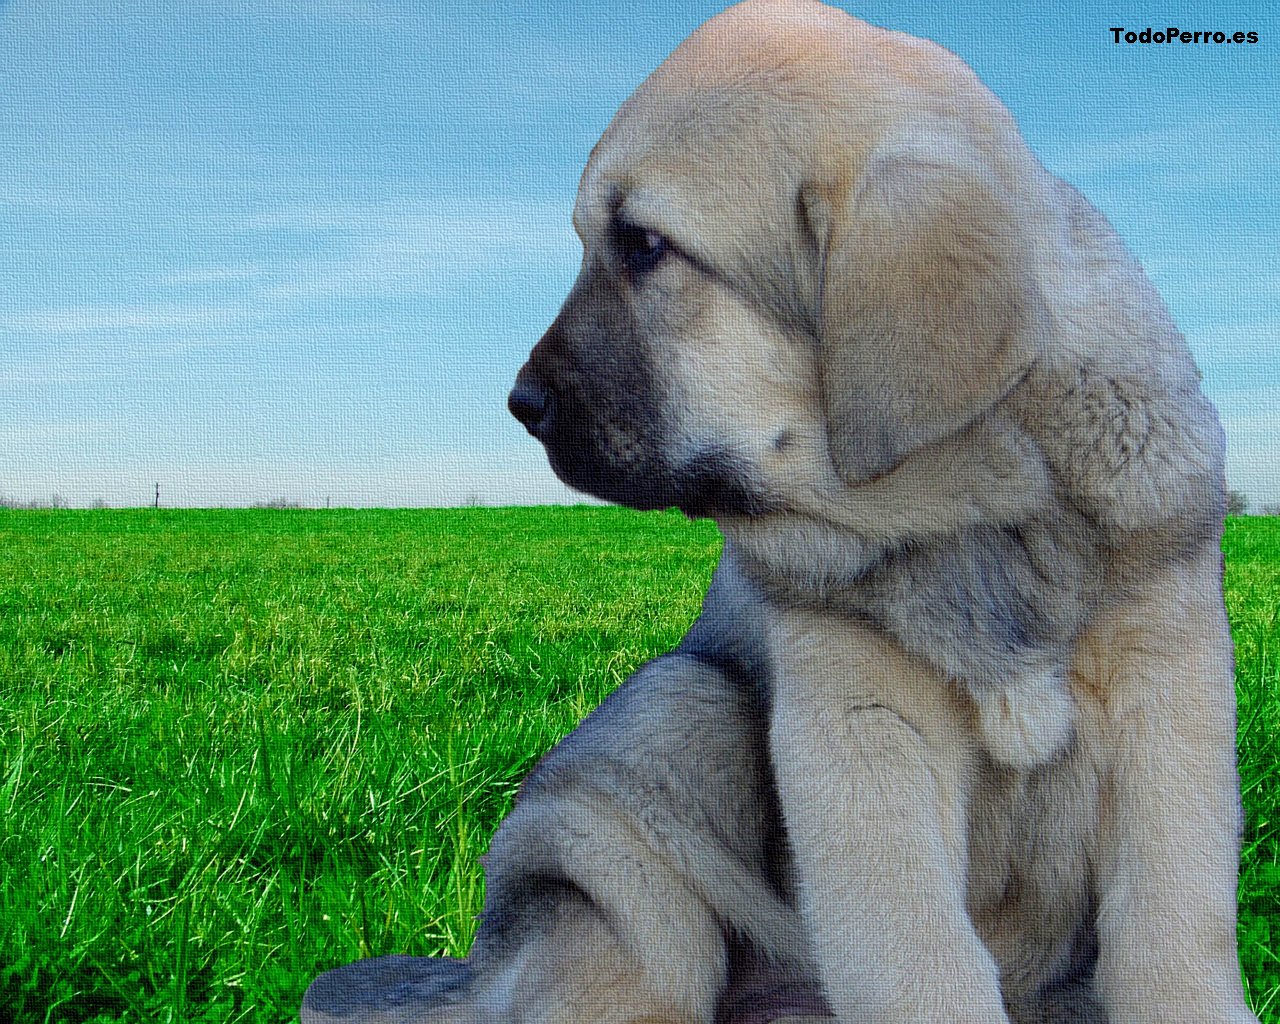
column 797, row 559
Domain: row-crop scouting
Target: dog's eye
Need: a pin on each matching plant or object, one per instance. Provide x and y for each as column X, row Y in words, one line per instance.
column 640, row 249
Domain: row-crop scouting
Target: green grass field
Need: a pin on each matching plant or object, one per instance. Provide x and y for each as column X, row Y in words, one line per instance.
column 239, row 747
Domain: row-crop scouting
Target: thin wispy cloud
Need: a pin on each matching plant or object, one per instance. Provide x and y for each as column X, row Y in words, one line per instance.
column 354, row 248
column 97, row 319
column 214, row 274
column 420, row 235
column 353, row 10
column 1218, row 151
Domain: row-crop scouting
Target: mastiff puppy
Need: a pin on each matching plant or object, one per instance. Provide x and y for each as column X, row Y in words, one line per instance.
column 972, row 497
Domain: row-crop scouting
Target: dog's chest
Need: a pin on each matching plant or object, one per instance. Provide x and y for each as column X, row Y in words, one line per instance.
column 1031, row 840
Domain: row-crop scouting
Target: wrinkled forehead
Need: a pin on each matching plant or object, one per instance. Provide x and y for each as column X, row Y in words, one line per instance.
column 669, row 155
column 705, row 126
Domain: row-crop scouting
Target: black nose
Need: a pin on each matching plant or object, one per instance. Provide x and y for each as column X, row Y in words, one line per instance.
column 528, row 403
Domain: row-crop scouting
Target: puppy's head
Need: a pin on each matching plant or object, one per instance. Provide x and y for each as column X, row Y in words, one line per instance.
column 807, row 251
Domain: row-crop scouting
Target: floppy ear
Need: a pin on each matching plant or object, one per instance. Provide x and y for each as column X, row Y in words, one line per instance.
column 929, row 312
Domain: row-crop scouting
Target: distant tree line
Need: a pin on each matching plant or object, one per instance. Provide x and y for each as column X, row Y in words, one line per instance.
column 1237, row 503
column 54, row 501
column 58, row 501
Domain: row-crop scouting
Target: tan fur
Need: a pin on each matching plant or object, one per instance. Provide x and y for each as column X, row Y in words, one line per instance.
column 945, row 337
column 957, row 276
column 934, row 405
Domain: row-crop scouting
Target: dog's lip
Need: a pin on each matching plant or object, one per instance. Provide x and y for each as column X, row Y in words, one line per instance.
column 717, row 485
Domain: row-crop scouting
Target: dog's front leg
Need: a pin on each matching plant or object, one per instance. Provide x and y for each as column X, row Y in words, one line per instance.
column 873, row 754
column 1160, row 717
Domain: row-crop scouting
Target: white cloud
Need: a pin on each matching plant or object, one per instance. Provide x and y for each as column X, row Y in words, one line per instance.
column 447, row 233
column 1256, row 343
column 1241, row 365
column 372, row 250
column 214, row 274
column 398, row 247
column 1252, row 462
column 353, row 9
column 157, row 316
column 1214, row 153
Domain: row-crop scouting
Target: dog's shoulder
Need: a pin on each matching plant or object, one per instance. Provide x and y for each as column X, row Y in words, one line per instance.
column 717, row 674
column 1115, row 400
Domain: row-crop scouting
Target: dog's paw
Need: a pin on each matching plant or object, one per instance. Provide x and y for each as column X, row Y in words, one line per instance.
column 1027, row 721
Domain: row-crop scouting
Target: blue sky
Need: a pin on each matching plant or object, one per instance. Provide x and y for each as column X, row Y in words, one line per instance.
column 299, row 248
